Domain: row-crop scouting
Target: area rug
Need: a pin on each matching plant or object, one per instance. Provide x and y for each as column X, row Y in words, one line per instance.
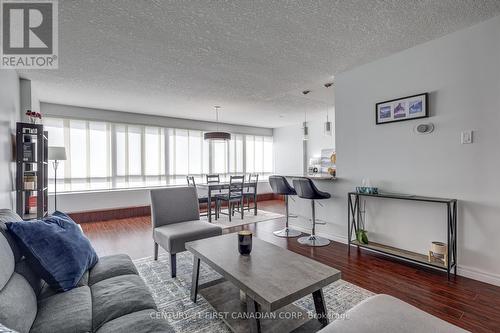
column 174, row 304
column 248, row 218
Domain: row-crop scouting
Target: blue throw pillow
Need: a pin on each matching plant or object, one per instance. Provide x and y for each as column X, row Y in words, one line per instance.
column 56, row 248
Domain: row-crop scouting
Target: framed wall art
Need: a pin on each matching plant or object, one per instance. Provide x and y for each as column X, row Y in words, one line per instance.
column 405, row 108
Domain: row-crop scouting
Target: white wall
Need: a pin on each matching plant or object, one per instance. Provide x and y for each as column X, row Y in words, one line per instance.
column 288, row 145
column 288, row 148
column 70, row 111
column 9, row 114
column 317, row 139
column 99, row 200
column 462, row 73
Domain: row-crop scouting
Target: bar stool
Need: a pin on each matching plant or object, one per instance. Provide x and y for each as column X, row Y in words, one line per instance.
column 306, row 189
column 280, row 185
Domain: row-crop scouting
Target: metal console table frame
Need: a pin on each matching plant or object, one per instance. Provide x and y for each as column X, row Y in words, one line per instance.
column 353, row 219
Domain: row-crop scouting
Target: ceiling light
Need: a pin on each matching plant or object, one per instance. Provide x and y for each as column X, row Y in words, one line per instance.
column 305, row 128
column 217, row 135
column 328, row 126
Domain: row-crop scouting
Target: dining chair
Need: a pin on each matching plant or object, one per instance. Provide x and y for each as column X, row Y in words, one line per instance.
column 190, row 181
column 213, row 179
column 202, row 199
column 233, row 197
column 251, row 191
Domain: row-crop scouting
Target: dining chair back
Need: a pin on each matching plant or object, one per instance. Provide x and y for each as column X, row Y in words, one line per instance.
column 213, row 179
column 175, row 218
column 253, row 178
column 233, row 197
column 236, row 185
column 190, row 181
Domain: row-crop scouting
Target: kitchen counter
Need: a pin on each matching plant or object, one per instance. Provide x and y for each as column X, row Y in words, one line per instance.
column 319, row 176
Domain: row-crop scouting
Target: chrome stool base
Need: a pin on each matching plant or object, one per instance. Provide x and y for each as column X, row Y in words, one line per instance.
column 287, row 233
column 313, row 240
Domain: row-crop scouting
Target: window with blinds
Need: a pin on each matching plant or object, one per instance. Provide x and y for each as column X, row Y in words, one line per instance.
column 103, row 155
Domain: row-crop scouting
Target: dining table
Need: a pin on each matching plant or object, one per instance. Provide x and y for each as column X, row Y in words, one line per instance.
column 220, row 186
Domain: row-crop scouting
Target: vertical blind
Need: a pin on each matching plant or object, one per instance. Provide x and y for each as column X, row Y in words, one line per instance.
column 103, row 155
column 188, row 154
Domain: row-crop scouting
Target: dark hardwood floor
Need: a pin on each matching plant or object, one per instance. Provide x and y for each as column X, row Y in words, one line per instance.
column 470, row 304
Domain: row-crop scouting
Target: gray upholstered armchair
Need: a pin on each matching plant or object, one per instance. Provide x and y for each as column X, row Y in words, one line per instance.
column 175, row 217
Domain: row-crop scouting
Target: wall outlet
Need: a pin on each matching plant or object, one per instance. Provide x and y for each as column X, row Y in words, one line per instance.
column 466, row 137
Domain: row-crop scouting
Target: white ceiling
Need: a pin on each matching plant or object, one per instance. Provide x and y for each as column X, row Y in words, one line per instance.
column 180, row 58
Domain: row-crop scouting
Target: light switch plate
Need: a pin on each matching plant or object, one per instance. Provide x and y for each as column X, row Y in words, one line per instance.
column 466, row 137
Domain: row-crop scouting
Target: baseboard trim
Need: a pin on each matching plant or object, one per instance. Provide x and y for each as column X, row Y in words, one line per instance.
column 475, row 274
column 339, row 239
column 463, row 271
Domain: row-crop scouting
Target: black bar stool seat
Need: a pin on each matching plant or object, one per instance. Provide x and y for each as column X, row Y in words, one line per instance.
column 306, row 189
column 280, row 185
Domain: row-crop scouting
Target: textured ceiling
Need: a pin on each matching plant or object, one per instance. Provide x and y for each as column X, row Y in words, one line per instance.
column 179, row 58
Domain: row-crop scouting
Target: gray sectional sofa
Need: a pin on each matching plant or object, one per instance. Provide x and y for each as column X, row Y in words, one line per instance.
column 383, row 314
column 111, row 297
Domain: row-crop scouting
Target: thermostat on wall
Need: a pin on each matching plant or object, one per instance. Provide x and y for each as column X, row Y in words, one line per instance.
column 424, row 128
column 466, row 137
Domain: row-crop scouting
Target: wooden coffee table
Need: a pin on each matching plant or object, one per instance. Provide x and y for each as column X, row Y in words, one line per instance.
column 270, row 278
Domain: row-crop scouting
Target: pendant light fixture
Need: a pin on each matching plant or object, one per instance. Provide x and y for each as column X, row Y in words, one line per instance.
column 217, row 135
column 328, row 126
column 305, row 128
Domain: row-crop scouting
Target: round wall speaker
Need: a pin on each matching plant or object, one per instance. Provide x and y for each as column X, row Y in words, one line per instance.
column 424, row 128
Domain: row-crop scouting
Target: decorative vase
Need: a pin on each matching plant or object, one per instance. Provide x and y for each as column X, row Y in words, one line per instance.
column 439, row 251
column 245, row 242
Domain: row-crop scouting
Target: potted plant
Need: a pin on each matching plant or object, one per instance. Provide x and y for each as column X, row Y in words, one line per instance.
column 361, row 233
column 33, row 116
column 361, row 236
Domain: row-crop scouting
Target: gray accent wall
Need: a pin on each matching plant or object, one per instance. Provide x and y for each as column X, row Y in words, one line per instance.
column 9, row 114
